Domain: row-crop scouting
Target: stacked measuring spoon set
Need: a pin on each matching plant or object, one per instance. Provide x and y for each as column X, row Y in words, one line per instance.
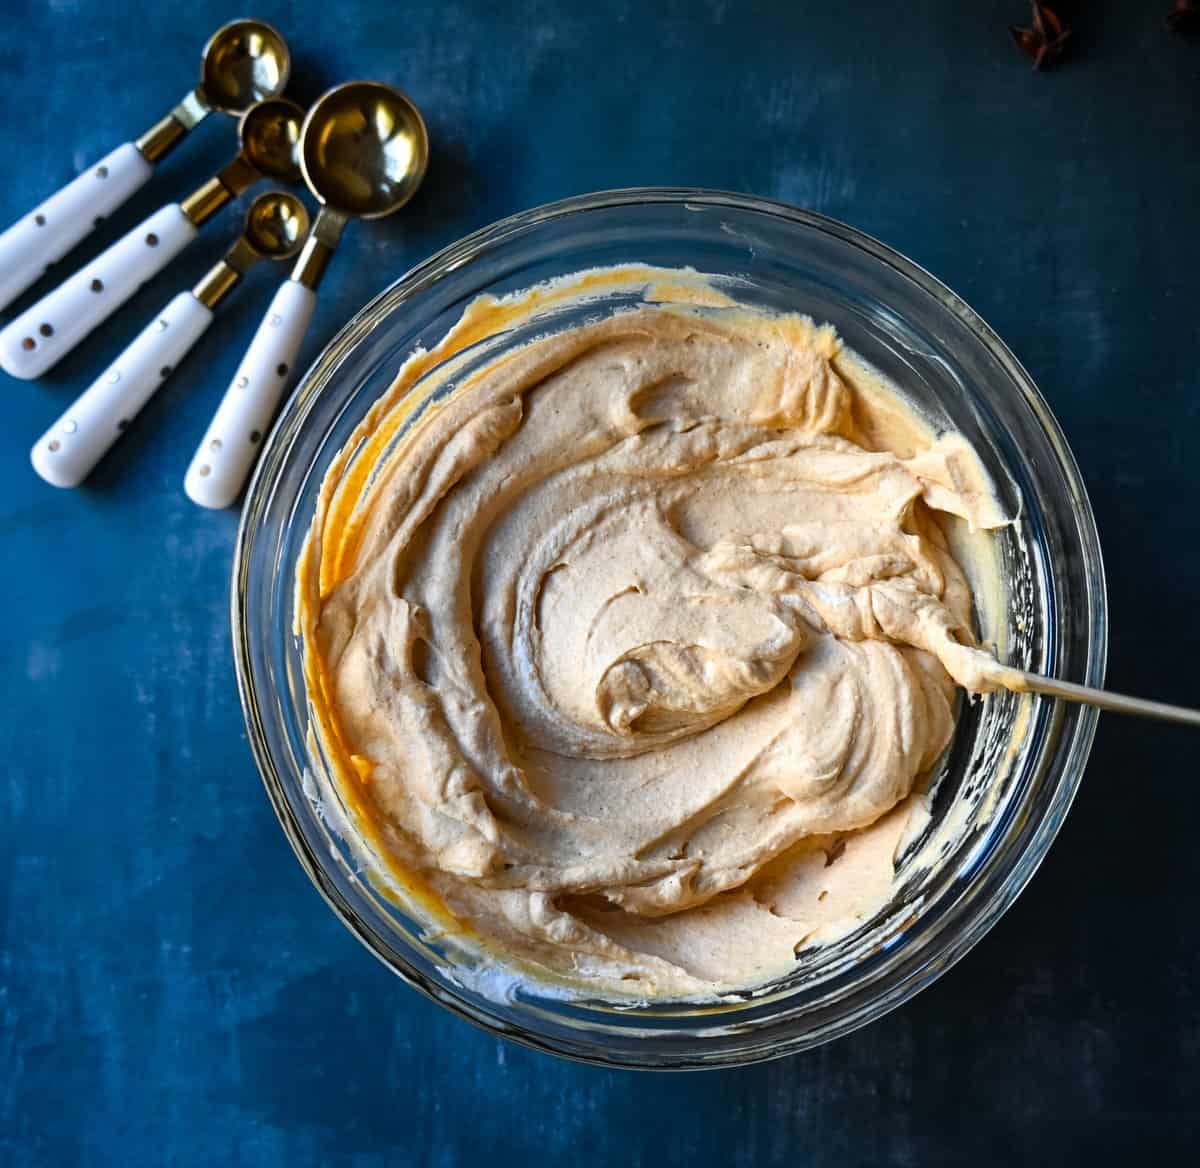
column 361, row 151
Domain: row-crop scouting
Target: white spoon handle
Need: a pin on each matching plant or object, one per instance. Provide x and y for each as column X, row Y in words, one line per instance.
column 232, row 440
column 52, row 229
column 1068, row 691
column 65, row 455
column 44, row 334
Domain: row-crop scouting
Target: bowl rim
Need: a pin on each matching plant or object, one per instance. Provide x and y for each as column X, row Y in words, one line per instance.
column 943, row 950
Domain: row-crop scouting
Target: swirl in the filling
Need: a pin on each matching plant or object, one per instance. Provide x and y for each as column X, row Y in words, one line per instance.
column 624, row 636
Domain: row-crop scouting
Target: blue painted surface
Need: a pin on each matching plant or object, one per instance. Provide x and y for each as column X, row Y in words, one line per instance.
column 171, row 988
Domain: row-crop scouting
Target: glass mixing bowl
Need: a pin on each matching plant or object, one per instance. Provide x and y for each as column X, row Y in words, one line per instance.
column 1014, row 765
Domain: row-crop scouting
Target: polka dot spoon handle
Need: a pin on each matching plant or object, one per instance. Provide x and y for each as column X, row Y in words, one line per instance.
column 65, row 455
column 231, row 443
column 42, row 335
column 52, row 229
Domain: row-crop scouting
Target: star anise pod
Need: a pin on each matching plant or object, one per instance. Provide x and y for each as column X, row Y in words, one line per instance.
column 1043, row 41
column 1184, row 16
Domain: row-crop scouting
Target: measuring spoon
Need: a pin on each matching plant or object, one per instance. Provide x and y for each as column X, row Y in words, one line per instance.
column 64, row 456
column 44, row 334
column 363, row 152
column 244, row 62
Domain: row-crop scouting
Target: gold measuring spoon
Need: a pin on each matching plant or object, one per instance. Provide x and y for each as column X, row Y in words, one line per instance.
column 244, row 62
column 64, row 456
column 42, row 335
column 363, row 152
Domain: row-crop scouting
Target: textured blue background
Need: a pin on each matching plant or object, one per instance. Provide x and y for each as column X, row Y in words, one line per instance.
column 172, row 990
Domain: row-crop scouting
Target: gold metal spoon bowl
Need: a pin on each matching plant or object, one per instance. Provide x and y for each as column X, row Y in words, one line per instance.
column 244, row 62
column 364, row 150
column 269, row 137
column 275, row 228
column 276, row 225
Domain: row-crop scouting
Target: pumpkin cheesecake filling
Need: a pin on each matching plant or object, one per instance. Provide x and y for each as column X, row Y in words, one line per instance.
column 634, row 650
